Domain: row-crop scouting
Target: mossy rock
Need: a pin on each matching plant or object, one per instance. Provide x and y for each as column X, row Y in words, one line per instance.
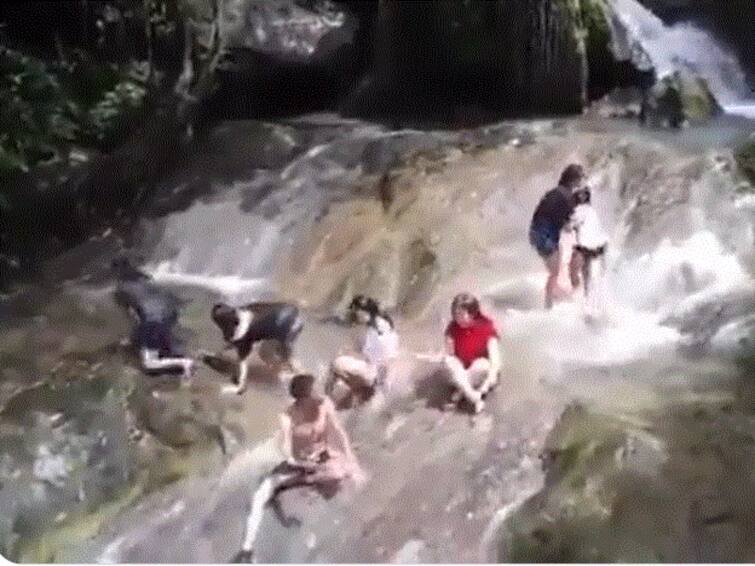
column 745, row 157
column 680, row 98
column 600, row 58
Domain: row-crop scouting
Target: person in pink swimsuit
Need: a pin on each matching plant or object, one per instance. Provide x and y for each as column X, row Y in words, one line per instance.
column 317, row 450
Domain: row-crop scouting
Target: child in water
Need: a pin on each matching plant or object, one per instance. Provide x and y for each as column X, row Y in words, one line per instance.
column 591, row 244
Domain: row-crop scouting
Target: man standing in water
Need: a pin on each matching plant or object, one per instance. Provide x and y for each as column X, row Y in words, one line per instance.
column 551, row 216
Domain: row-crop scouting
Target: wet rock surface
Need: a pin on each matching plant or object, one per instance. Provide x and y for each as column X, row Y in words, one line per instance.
column 140, row 469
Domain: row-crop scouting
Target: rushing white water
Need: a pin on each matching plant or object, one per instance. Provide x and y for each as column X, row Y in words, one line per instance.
column 682, row 46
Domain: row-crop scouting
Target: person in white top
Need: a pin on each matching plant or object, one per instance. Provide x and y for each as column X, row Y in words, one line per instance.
column 363, row 372
column 591, row 238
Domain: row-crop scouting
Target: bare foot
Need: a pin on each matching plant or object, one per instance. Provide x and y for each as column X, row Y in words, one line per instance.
column 232, row 389
column 478, row 406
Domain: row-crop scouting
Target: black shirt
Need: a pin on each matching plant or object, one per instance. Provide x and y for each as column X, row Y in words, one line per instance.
column 554, row 209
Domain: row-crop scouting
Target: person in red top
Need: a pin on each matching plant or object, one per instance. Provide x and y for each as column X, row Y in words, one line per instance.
column 473, row 358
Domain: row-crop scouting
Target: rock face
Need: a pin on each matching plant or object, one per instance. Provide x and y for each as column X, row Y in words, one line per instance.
column 678, row 99
column 455, row 53
column 730, row 21
column 286, row 55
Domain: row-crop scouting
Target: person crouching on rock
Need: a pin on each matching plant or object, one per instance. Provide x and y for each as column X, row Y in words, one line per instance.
column 155, row 312
column 473, row 359
column 363, row 372
column 317, row 450
column 244, row 326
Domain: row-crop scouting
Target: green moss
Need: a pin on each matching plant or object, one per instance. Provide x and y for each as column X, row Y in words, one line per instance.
column 595, row 22
column 46, row 547
column 600, row 59
column 697, row 101
column 745, row 157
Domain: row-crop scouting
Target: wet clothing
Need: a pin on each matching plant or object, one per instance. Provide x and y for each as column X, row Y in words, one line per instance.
column 268, row 321
column 471, row 343
column 149, row 302
column 591, row 253
column 551, row 215
column 380, row 342
column 588, row 229
column 155, row 336
column 156, row 311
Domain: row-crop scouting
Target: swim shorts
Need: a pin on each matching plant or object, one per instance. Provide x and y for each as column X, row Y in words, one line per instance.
column 544, row 238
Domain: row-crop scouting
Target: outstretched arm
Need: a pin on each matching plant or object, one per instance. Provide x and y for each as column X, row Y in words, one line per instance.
column 450, row 347
column 494, row 357
column 243, row 371
column 334, row 421
column 286, row 444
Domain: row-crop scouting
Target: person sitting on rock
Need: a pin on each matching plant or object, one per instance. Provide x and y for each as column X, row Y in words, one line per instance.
column 473, row 359
column 155, row 312
column 317, row 451
column 363, row 372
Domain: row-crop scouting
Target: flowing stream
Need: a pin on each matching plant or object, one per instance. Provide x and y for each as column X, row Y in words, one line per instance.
column 682, row 46
column 135, row 469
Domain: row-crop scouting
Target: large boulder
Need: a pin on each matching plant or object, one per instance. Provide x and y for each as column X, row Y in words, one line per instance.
column 285, row 55
column 678, row 99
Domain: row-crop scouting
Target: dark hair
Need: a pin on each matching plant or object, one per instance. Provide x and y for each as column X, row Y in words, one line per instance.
column 222, row 311
column 572, row 175
column 125, row 270
column 582, row 196
column 466, row 302
column 226, row 318
column 301, row 385
column 371, row 307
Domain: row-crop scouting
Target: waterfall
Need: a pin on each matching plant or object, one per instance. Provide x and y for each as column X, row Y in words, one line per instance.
column 637, row 32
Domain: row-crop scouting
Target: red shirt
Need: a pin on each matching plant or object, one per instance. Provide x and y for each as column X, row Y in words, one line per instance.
column 471, row 342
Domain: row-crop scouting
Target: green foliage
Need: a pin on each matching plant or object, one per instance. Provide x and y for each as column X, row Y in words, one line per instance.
column 31, row 114
column 105, row 118
column 46, row 106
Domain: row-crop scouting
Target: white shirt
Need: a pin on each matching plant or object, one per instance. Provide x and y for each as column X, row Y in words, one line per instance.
column 587, row 226
column 380, row 342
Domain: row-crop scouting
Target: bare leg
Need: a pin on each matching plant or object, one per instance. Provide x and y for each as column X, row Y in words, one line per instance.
column 479, row 372
column 267, row 490
column 355, row 372
column 151, row 361
column 576, row 264
column 243, row 372
column 460, row 378
column 586, row 273
column 552, row 263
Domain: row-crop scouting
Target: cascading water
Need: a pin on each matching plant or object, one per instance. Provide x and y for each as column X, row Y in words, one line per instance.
column 233, row 242
column 681, row 46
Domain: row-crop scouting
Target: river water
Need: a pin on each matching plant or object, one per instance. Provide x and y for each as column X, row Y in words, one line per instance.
column 628, row 439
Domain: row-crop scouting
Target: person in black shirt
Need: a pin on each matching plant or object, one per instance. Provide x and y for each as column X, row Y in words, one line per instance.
column 551, row 216
column 155, row 313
